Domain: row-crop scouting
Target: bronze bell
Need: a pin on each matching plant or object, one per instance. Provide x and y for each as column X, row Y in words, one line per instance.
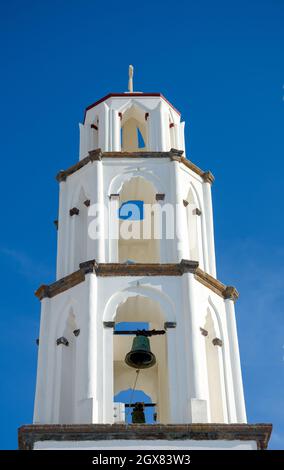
column 140, row 356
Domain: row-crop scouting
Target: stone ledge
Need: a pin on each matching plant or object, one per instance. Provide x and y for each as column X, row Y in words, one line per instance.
column 29, row 434
column 97, row 154
column 139, row 269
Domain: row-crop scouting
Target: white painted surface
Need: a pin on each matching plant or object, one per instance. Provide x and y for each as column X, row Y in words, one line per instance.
column 85, row 376
column 146, row 445
column 124, row 114
column 100, row 179
column 180, row 299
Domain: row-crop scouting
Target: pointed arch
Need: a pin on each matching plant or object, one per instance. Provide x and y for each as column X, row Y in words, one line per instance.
column 195, row 225
column 138, row 239
column 133, row 122
column 78, row 227
column 156, row 295
column 119, row 180
column 215, row 365
column 67, row 397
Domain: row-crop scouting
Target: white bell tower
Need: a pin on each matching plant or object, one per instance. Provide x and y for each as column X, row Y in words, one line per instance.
column 133, row 168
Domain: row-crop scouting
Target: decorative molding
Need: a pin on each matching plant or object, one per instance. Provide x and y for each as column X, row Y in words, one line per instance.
column 93, row 156
column 59, row 286
column 74, row 211
column 208, row 177
column 97, row 154
column 28, row 435
column 62, row 340
column 170, row 324
column 231, row 293
column 160, row 197
column 135, row 269
column 203, row 332
column 42, row 291
column 138, row 269
column 175, row 155
column 109, row 324
column 217, row 342
column 123, row 95
column 209, row 281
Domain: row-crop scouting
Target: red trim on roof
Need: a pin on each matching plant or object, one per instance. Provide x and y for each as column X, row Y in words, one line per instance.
column 114, row 95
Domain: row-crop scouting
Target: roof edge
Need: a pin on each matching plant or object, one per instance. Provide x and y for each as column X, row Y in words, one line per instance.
column 120, row 95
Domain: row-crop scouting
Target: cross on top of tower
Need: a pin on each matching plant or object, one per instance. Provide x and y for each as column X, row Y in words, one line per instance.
column 130, row 78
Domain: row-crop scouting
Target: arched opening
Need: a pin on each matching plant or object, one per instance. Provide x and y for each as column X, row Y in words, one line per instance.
column 214, row 371
column 68, row 372
column 138, row 237
column 134, row 132
column 140, row 312
column 129, row 398
column 80, row 230
column 193, row 215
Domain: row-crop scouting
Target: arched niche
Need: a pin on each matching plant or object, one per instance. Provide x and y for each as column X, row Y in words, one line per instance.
column 194, row 227
column 134, row 131
column 152, row 381
column 138, row 239
column 67, row 398
column 215, row 368
column 79, row 230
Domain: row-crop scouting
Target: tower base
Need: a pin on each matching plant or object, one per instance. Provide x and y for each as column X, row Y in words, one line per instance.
column 140, row 436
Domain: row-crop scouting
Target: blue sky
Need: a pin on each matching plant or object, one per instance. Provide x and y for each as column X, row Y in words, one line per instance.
column 221, row 64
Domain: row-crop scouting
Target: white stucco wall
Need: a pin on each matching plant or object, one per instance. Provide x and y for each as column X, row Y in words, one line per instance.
column 146, row 445
column 98, row 180
column 182, row 299
column 109, row 115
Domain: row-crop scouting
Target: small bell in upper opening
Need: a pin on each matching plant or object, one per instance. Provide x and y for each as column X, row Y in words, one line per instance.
column 140, row 356
column 138, row 415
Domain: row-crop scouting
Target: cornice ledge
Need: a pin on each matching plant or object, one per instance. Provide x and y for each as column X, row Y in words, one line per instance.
column 177, row 155
column 144, row 154
column 188, row 266
column 98, row 155
column 29, row 434
column 227, row 292
column 94, row 155
column 208, row 177
column 138, row 269
column 61, row 285
column 231, row 293
column 90, row 266
column 42, row 291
